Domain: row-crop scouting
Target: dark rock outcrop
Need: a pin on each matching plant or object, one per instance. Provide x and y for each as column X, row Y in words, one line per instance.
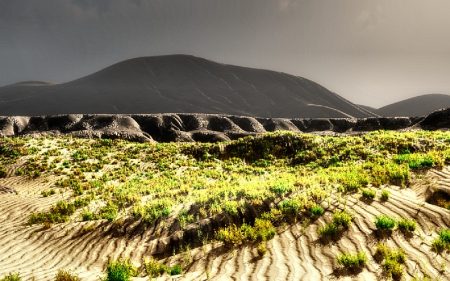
column 186, row 127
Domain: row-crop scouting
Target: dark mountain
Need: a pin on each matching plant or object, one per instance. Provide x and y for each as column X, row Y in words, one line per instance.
column 416, row 106
column 369, row 108
column 179, row 83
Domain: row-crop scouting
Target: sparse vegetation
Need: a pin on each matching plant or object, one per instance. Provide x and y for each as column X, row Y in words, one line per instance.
column 64, row 275
column 392, row 260
column 340, row 222
column 407, row 226
column 155, row 269
column 120, row 270
column 385, row 194
column 368, row 194
column 233, row 235
column 11, row 277
column 317, row 211
column 245, row 188
column 385, row 223
column 352, row 262
column 442, row 242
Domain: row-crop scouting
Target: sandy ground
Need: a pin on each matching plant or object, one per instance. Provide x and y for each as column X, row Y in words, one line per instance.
column 294, row 254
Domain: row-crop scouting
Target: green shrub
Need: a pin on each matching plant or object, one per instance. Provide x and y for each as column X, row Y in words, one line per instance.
column 175, row 270
column 154, row 268
column 384, row 223
column 393, row 269
column 61, row 212
column 352, row 262
column 442, row 242
column 11, row 277
column 406, row 225
column 368, row 193
column 392, row 260
column 342, row 218
column 385, row 195
column 63, row 275
column 153, row 211
column 419, row 160
column 262, row 230
column 280, row 189
column 109, row 212
column 87, row 215
column 261, row 249
column 328, row 231
column 289, row 207
column 49, row 192
column 317, row 211
column 231, row 235
column 120, row 270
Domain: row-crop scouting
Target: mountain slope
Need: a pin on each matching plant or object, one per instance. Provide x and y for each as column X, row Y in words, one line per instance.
column 180, row 83
column 416, row 106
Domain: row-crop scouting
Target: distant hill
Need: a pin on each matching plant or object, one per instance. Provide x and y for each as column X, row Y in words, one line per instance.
column 416, row 106
column 179, row 83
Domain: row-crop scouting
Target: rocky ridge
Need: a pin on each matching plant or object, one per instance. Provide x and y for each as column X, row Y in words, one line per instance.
column 188, row 127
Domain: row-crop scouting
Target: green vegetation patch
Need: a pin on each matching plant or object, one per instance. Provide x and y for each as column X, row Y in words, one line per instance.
column 245, row 188
column 442, row 242
column 352, row 262
column 392, row 260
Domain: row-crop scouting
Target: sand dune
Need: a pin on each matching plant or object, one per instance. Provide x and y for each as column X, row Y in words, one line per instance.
column 294, row 254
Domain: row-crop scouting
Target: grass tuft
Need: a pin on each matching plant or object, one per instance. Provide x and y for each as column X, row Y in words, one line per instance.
column 120, row 270
column 64, row 275
column 352, row 262
column 11, row 277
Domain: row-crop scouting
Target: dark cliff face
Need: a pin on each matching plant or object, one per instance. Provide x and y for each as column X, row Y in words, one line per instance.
column 203, row 127
column 179, row 83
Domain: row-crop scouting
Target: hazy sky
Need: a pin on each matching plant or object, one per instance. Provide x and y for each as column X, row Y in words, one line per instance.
column 371, row 52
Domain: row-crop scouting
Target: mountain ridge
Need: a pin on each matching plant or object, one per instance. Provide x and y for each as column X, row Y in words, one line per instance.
column 184, row 84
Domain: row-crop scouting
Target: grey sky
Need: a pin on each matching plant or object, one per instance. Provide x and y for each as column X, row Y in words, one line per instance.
column 371, row 52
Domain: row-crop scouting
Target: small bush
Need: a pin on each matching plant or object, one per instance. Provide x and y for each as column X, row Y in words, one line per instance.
column 63, row 275
column 385, row 223
column 153, row 211
column 442, row 242
column 316, row 211
column 262, row 230
column 368, row 194
column 109, row 212
column 342, row 218
column 231, row 235
column 392, row 260
column 261, row 249
column 175, row 270
column 11, row 277
column 154, row 268
column 289, row 207
column 385, row 195
column 406, row 225
column 393, row 269
column 328, row 231
column 87, row 215
column 352, row 262
column 46, row 193
column 120, row 270
column 280, row 189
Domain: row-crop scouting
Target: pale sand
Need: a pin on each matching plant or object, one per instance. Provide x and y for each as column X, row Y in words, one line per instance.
column 294, row 254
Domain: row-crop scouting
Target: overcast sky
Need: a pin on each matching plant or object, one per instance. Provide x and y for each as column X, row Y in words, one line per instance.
column 370, row 52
